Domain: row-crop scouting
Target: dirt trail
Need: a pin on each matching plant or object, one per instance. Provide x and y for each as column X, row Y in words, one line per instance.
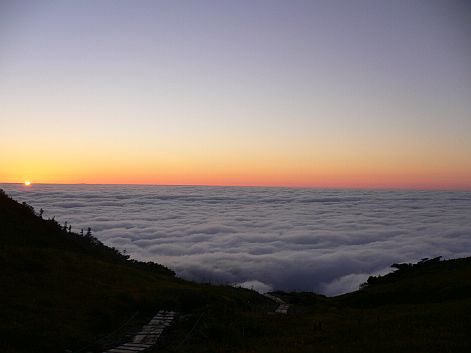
column 283, row 307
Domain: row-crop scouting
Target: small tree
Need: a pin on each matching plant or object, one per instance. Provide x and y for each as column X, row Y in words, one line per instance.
column 89, row 232
column 125, row 254
column 41, row 211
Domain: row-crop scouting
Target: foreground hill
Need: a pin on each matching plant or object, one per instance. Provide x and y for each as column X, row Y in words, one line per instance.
column 418, row 308
column 61, row 290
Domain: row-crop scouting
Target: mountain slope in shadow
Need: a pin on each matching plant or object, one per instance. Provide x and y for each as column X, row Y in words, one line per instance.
column 61, row 290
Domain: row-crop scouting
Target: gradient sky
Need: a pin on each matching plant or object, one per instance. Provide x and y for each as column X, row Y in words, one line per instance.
column 291, row 93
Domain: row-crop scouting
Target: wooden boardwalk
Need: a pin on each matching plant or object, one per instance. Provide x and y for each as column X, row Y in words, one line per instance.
column 282, row 309
column 149, row 334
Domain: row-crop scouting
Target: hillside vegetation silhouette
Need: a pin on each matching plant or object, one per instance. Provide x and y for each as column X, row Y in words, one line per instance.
column 62, row 290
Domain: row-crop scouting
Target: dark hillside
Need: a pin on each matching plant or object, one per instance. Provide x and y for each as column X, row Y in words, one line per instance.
column 428, row 281
column 21, row 226
column 425, row 307
column 61, row 290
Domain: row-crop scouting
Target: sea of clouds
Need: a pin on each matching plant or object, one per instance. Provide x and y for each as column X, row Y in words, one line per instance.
column 327, row 241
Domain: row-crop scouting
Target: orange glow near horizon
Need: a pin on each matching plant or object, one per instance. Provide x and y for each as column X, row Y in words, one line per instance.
column 366, row 178
column 413, row 184
column 320, row 164
column 297, row 100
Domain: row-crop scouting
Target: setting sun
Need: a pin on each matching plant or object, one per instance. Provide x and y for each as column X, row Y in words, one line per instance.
column 27, row 183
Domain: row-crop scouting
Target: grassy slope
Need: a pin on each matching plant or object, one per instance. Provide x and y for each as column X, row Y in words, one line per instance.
column 426, row 309
column 59, row 291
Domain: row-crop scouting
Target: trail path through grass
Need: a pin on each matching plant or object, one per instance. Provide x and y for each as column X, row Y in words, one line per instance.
column 282, row 305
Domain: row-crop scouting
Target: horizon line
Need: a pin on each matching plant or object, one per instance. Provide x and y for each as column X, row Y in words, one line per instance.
column 385, row 188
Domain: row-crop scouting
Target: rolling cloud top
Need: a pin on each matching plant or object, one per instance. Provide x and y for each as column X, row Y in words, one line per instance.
column 328, row 241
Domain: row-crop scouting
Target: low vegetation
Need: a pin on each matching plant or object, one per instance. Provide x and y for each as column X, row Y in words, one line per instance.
column 62, row 290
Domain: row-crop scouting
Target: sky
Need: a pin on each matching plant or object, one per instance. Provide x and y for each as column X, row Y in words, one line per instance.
column 354, row 94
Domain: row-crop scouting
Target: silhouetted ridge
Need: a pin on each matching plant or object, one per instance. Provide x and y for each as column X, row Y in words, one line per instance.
column 429, row 280
column 62, row 290
column 21, row 225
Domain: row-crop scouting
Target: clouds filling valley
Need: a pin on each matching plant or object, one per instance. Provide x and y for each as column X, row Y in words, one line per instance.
column 327, row 241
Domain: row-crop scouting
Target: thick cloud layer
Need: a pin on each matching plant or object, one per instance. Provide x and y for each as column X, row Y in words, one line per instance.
column 326, row 241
